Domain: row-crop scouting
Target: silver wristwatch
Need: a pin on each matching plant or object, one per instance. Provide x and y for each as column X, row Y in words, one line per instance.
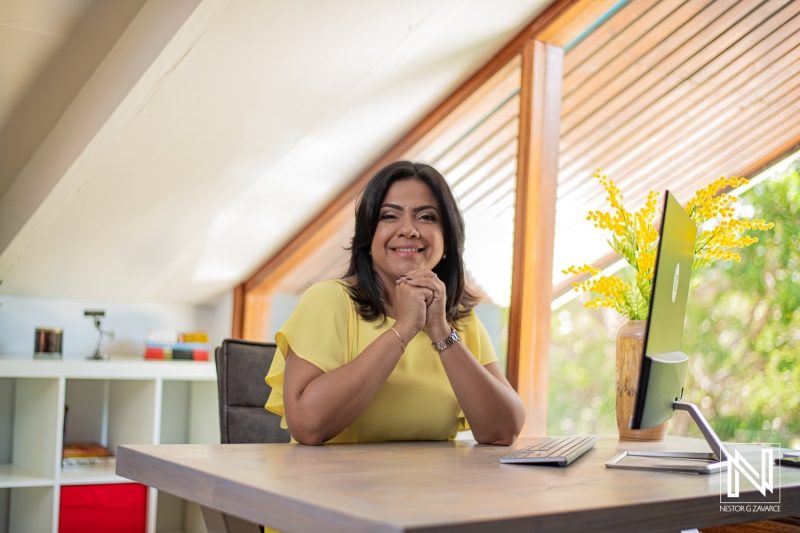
column 447, row 341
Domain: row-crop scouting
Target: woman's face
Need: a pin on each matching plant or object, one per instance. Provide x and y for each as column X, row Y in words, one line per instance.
column 409, row 232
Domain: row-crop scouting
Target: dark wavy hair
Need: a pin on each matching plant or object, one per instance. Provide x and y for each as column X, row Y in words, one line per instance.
column 369, row 292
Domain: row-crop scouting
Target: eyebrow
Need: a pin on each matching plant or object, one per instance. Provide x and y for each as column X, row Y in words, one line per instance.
column 415, row 210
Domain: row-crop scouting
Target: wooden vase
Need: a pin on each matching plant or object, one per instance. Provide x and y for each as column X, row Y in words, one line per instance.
column 630, row 346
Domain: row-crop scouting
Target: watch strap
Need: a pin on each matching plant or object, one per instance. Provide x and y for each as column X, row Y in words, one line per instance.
column 447, row 341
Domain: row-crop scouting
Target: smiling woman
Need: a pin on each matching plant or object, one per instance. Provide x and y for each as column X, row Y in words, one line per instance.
column 394, row 351
column 407, row 206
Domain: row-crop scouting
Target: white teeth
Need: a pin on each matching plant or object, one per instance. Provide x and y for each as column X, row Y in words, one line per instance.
column 406, row 249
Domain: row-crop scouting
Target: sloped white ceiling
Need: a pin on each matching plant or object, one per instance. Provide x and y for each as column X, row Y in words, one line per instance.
column 31, row 31
column 247, row 122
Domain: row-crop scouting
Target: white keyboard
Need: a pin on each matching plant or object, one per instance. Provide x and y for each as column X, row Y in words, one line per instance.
column 560, row 451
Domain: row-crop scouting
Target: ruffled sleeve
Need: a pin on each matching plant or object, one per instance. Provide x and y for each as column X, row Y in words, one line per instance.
column 474, row 335
column 317, row 331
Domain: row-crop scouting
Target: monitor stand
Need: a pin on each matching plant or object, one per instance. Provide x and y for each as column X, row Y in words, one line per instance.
column 690, row 462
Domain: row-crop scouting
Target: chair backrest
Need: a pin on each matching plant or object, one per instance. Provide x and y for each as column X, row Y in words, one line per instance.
column 241, row 369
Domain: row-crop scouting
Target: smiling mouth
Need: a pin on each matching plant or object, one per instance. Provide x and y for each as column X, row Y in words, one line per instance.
column 407, row 250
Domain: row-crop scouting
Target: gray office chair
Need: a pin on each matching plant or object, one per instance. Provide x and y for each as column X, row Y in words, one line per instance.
column 241, row 368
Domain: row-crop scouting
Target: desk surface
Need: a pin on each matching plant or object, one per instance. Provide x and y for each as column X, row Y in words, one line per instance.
column 438, row 486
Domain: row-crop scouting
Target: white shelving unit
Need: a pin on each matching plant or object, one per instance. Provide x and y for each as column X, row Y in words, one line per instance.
column 121, row 401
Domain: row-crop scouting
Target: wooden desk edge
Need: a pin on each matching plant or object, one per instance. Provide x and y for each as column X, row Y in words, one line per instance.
column 199, row 487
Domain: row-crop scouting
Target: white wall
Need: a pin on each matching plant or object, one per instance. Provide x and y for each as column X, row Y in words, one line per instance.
column 282, row 306
column 216, row 318
column 21, row 315
column 491, row 316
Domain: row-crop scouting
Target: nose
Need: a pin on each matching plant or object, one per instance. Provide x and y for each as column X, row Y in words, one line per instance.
column 408, row 228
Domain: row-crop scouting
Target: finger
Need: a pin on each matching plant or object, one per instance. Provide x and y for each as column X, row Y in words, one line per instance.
column 427, row 296
column 436, row 293
column 428, row 283
column 420, row 273
column 422, row 292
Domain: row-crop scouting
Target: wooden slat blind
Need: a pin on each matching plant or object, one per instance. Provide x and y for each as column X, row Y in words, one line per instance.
column 673, row 94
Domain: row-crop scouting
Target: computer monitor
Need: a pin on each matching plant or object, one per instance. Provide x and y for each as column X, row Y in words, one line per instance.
column 663, row 366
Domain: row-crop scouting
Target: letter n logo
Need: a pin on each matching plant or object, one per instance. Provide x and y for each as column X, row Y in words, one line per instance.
column 739, row 465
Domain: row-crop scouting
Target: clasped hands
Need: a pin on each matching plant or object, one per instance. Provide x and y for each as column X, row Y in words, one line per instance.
column 420, row 305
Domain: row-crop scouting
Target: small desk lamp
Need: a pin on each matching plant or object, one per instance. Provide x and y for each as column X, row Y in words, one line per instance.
column 96, row 315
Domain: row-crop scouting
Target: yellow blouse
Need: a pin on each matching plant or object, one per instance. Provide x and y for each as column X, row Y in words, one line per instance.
column 416, row 402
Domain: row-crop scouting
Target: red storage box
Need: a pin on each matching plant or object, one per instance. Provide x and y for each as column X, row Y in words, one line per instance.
column 121, row 508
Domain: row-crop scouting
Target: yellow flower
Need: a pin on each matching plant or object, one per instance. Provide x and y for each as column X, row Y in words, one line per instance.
column 707, row 203
column 616, row 221
column 581, row 270
column 635, row 238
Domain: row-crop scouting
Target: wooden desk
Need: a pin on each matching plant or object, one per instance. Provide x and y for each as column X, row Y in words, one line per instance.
column 442, row 486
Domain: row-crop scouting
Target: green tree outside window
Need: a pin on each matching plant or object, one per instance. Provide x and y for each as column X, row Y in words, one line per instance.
column 742, row 336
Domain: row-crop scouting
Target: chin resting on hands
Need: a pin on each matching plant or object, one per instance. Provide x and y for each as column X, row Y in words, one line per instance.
column 436, row 325
column 411, row 304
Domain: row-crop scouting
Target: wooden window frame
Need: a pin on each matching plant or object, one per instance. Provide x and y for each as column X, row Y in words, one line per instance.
column 534, row 230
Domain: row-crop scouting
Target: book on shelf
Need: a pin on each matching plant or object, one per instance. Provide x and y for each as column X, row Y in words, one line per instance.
column 179, row 351
column 163, row 336
column 172, row 345
column 195, row 336
column 86, row 454
column 88, row 461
